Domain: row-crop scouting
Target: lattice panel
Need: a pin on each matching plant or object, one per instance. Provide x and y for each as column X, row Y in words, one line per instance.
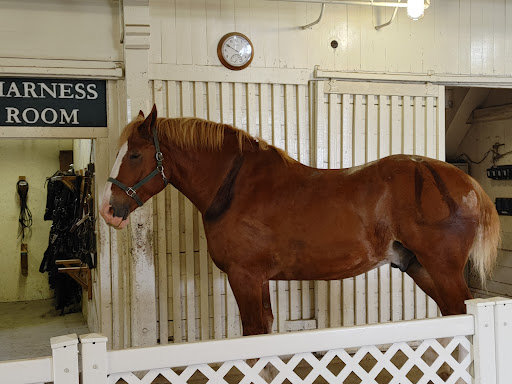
column 399, row 364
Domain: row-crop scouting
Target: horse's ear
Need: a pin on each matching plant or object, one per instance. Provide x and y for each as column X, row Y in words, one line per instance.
column 141, row 114
column 148, row 124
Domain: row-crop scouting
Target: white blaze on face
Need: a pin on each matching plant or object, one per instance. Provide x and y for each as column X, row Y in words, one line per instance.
column 107, row 193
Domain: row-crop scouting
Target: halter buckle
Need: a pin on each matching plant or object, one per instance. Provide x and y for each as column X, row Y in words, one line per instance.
column 160, row 169
column 159, row 156
column 131, row 192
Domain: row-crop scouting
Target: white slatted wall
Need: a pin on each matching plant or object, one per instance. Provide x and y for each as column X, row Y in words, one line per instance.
column 358, row 122
column 194, row 287
column 351, row 128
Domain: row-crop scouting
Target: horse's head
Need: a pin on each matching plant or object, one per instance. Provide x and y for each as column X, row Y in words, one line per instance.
column 137, row 174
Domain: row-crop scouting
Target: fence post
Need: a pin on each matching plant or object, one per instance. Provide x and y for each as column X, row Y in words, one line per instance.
column 484, row 346
column 94, row 358
column 503, row 329
column 65, row 359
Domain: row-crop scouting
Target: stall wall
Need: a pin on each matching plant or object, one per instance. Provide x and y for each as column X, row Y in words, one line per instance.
column 480, row 139
column 36, row 160
column 454, row 37
column 329, row 125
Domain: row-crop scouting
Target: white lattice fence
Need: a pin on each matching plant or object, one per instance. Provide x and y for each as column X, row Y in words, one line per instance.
column 400, row 363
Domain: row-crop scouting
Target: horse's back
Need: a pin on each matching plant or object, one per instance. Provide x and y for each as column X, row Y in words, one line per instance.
column 434, row 189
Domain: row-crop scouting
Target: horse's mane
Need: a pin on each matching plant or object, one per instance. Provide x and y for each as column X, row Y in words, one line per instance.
column 194, row 133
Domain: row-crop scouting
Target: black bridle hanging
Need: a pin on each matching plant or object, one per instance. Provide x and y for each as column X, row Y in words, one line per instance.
column 25, row 218
column 132, row 191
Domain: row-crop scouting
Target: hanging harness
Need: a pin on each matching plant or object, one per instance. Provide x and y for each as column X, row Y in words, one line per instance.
column 25, row 218
column 132, row 191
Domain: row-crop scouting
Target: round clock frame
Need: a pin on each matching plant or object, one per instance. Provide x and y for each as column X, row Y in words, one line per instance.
column 225, row 60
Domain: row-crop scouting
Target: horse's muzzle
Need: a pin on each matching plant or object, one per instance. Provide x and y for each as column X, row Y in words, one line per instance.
column 115, row 216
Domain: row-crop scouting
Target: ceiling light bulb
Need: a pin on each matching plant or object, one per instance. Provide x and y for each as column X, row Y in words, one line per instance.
column 415, row 9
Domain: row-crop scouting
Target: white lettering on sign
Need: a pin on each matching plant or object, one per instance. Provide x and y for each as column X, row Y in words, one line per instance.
column 12, row 115
column 34, row 90
column 46, row 112
column 13, row 91
column 52, row 92
column 33, row 112
column 52, row 102
column 80, row 91
column 48, row 115
column 91, row 88
column 65, row 91
column 72, row 119
column 29, row 89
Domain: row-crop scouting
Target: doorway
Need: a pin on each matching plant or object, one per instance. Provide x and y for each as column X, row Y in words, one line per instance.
column 478, row 134
column 28, row 314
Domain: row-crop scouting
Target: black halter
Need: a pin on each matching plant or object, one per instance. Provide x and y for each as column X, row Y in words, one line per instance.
column 132, row 191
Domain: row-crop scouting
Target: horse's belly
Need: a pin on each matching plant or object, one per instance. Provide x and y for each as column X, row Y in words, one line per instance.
column 328, row 265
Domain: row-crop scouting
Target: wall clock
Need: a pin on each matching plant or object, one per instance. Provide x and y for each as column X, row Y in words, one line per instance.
column 235, row 51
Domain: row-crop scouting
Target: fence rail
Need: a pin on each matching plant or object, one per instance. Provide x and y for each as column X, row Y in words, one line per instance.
column 473, row 348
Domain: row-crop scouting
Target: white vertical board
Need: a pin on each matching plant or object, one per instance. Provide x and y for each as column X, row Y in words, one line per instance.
column 348, row 285
column 372, row 153
column 321, row 158
column 384, row 149
column 359, row 155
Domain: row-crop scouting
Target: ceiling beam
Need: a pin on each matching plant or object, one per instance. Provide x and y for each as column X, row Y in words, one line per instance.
column 500, row 112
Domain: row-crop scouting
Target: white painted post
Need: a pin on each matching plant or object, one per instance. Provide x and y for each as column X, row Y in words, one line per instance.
column 93, row 347
column 503, row 332
column 484, row 347
column 142, row 267
column 65, row 359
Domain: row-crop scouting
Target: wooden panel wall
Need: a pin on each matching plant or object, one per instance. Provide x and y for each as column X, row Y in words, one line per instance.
column 190, row 285
column 351, row 123
column 470, row 37
column 358, row 122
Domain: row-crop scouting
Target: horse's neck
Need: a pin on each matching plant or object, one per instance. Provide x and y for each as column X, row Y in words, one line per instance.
column 199, row 174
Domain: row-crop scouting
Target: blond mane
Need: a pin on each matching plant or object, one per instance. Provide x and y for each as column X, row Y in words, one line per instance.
column 192, row 133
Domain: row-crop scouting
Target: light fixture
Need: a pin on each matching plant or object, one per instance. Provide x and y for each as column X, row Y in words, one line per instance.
column 415, row 9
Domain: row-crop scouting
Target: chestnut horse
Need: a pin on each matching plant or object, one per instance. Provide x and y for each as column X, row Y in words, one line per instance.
column 269, row 217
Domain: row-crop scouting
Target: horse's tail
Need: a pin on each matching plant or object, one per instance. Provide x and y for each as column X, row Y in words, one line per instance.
column 487, row 239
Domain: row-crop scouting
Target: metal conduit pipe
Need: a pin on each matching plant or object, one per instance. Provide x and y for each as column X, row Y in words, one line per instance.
column 377, row 27
column 317, row 20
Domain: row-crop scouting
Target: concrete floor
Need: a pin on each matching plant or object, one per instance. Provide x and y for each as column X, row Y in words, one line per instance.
column 26, row 328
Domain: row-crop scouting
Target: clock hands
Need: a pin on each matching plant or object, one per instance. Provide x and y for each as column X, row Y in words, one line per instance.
column 227, row 45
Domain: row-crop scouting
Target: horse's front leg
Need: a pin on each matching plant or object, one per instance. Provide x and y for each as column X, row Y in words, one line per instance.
column 253, row 298
column 248, row 290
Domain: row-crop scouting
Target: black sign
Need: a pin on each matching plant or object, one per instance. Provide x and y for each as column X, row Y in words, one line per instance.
column 53, row 102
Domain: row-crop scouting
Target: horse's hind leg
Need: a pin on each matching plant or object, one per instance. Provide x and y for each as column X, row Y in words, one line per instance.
column 448, row 281
column 422, row 278
column 268, row 317
column 420, row 275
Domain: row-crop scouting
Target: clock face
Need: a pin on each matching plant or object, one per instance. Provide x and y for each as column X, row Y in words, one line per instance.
column 235, row 51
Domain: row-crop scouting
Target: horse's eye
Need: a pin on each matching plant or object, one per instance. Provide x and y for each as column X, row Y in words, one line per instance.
column 134, row 156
